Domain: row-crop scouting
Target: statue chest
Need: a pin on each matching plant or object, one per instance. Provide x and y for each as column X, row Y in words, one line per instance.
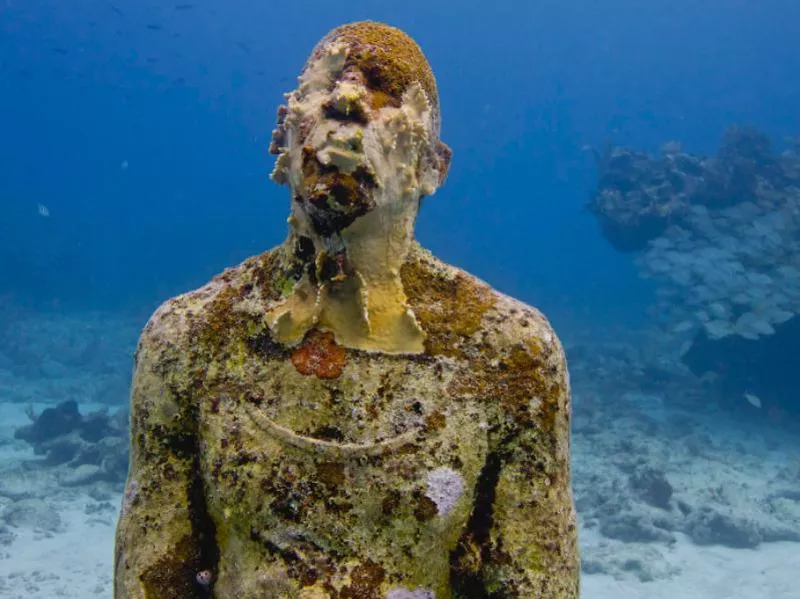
column 379, row 463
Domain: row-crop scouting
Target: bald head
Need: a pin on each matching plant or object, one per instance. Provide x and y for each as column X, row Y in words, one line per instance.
column 387, row 59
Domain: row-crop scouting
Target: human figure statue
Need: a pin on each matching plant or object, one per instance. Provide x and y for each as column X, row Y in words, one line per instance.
column 345, row 416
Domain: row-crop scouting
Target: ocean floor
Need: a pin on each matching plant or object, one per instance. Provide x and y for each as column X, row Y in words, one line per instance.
column 678, row 496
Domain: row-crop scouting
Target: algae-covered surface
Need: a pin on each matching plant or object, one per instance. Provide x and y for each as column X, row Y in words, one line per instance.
column 324, row 471
column 346, row 416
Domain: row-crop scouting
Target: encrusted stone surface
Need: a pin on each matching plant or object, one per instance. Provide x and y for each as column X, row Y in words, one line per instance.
column 379, row 425
column 284, row 481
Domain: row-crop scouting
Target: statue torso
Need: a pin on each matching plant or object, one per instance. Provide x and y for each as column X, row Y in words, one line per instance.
column 370, row 475
column 331, row 472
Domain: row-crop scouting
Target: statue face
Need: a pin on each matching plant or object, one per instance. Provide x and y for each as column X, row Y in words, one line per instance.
column 340, row 161
column 347, row 149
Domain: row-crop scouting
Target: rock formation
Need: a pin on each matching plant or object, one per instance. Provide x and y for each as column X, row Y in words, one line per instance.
column 720, row 236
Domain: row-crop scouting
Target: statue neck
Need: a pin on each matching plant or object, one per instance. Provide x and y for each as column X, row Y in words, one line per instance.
column 350, row 284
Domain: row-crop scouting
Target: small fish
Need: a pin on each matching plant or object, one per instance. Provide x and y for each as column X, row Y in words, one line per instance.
column 118, row 11
column 753, row 400
column 124, row 165
column 183, row 6
column 244, row 47
column 43, row 210
column 154, row 27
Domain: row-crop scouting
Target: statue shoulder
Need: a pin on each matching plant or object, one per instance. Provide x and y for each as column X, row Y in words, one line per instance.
column 504, row 351
column 516, row 324
column 464, row 316
column 213, row 314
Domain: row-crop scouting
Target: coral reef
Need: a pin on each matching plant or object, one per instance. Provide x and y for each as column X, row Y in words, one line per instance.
column 345, row 416
column 639, row 196
column 85, row 448
column 719, row 235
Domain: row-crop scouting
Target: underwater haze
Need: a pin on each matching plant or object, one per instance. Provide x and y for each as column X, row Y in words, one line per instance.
column 610, row 160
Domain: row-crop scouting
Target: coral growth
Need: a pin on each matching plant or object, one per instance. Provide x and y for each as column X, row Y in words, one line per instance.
column 719, row 237
column 87, row 448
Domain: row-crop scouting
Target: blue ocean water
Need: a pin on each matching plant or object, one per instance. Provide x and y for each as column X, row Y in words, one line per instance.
column 134, row 166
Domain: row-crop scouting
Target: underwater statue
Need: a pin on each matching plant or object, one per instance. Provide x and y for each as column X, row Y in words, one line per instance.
column 345, row 416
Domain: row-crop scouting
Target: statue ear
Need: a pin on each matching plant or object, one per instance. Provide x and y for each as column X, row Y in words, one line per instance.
column 443, row 156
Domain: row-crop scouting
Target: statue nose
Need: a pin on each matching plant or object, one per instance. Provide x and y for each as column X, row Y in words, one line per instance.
column 346, row 109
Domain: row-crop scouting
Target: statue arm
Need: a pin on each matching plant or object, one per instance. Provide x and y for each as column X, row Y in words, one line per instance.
column 532, row 538
column 159, row 533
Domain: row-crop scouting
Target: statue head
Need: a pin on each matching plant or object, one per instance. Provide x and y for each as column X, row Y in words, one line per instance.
column 360, row 134
column 358, row 145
